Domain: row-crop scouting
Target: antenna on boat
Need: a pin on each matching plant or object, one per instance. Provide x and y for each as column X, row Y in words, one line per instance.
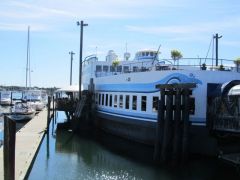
column 216, row 37
column 126, row 54
column 155, row 57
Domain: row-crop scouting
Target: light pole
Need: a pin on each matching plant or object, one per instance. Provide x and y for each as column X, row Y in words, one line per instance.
column 81, row 24
column 71, row 53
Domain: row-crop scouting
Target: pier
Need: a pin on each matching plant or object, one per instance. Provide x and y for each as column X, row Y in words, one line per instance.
column 28, row 140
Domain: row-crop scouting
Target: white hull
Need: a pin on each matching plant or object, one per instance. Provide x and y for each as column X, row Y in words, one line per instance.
column 5, row 102
column 22, row 116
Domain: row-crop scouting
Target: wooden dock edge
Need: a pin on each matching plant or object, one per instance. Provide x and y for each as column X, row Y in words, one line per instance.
column 28, row 141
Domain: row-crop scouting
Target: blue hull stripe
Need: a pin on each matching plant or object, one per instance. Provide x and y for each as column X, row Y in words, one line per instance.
column 148, row 87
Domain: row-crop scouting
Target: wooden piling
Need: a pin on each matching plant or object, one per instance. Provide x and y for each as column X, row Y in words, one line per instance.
column 160, row 125
column 185, row 125
column 9, row 148
column 11, row 98
column 53, row 106
column 177, row 127
column 166, row 130
column 172, row 129
column 48, row 112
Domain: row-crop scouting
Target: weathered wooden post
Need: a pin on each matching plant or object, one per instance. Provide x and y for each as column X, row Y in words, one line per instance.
column 48, row 113
column 160, row 125
column 177, row 127
column 9, row 148
column 53, row 109
column 167, row 130
column 185, row 125
column 11, row 97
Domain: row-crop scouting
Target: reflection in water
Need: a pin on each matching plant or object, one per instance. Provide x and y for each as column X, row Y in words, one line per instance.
column 67, row 156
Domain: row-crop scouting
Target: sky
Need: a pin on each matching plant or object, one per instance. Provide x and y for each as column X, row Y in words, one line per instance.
column 185, row 25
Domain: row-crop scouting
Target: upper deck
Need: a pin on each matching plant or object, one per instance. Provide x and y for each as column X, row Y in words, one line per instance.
column 107, row 68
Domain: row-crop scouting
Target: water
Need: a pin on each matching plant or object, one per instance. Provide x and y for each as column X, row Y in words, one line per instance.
column 64, row 155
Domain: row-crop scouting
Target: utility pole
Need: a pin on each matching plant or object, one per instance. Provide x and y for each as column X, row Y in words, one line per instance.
column 81, row 24
column 71, row 53
column 216, row 38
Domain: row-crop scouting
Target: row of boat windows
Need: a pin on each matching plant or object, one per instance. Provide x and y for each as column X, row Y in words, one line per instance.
column 119, row 68
column 117, row 101
column 106, row 68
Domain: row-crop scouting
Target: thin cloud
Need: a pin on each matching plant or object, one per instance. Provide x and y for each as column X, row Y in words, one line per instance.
column 204, row 27
column 22, row 27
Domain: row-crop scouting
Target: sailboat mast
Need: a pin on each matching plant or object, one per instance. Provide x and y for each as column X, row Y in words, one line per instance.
column 27, row 64
column 29, row 60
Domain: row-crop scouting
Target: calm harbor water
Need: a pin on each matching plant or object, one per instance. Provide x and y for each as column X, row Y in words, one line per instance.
column 63, row 155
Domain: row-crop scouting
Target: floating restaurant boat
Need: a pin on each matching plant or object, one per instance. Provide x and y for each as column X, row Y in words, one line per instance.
column 22, row 111
column 126, row 96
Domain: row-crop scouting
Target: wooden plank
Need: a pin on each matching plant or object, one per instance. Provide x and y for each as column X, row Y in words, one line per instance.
column 28, row 139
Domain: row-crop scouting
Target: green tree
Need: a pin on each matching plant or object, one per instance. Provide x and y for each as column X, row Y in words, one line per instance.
column 237, row 62
column 115, row 63
column 176, row 55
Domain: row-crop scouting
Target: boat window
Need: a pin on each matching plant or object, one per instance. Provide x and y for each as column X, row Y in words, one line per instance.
column 125, row 68
column 110, row 101
column 105, row 68
column 121, row 101
column 144, row 103
column 155, row 103
column 143, row 54
column 127, row 102
column 115, row 101
column 103, row 99
column 147, row 53
column 135, row 68
column 106, row 102
column 119, row 68
column 151, row 53
column 99, row 99
column 98, row 68
column 96, row 98
column 134, row 103
column 112, row 69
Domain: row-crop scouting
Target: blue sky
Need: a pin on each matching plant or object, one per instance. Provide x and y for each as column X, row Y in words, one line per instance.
column 186, row 25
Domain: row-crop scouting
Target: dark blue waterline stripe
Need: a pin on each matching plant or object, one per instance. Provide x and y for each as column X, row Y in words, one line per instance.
column 128, row 91
column 133, row 116
column 144, row 117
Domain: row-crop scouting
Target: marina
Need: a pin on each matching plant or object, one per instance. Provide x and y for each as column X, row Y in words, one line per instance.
column 151, row 91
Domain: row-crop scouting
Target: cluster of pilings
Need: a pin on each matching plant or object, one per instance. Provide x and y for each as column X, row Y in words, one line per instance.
column 172, row 131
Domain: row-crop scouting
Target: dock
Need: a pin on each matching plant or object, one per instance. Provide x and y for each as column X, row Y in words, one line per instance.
column 28, row 140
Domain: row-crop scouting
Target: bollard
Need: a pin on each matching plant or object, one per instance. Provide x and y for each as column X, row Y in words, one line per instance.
column 9, row 148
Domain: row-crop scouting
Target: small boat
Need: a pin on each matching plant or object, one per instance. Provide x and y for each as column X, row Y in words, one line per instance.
column 22, row 111
column 5, row 98
column 35, row 98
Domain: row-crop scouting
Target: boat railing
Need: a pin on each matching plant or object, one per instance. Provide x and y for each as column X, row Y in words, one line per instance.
column 169, row 64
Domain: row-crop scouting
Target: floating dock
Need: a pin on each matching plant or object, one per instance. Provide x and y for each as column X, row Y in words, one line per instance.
column 28, row 140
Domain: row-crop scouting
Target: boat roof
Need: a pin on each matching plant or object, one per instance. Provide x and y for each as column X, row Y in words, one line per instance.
column 73, row 88
column 147, row 50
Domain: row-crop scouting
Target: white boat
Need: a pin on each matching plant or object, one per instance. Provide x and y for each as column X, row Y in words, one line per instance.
column 22, row 111
column 5, row 98
column 36, row 98
column 126, row 95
